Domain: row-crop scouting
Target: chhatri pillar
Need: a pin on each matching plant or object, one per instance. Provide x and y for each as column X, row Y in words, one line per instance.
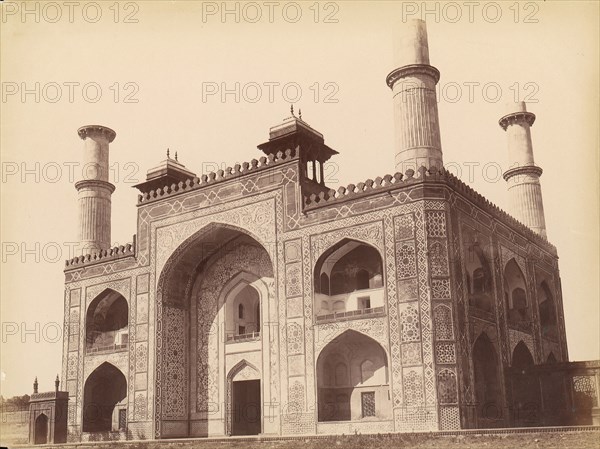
column 523, row 176
column 417, row 136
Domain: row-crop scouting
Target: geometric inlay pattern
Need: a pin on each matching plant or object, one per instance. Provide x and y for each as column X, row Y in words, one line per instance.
column 447, row 391
column 409, row 324
column 407, row 266
column 436, row 223
column 442, row 321
column 445, row 353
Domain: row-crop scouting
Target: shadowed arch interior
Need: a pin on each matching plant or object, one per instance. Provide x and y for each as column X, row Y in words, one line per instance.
column 352, row 379
column 525, row 388
column 106, row 323
column 216, row 279
column 478, row 270
column 348, row 277
column 104, row 388
column 515, row 293
column 41, row 429
column 547, row 307
column 487, row 383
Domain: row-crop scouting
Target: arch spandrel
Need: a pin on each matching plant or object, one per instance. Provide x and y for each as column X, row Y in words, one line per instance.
column 257, row 220
column 121, row 286
column 515, row 337
column 243, row 370
column 371, row 234
column 375, row 328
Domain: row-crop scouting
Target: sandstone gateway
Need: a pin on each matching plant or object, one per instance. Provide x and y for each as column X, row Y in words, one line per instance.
column 257, row 300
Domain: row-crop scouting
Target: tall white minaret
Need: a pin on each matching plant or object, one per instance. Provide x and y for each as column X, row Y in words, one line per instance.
column 94, row 190
column 523, row 176
column 417, row 140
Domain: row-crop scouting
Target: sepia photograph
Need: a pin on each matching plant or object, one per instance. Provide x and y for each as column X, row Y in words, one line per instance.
column 300, row 224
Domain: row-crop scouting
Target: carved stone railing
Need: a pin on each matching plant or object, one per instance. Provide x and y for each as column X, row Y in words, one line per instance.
column 352, row 314
column 238, row 170
column 106, row 348
column 251, row 336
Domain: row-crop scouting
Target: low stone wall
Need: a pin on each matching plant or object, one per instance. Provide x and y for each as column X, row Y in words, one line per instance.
column 14, row 427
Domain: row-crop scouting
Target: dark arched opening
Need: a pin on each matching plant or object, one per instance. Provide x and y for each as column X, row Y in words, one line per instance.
column 352, row 379
column 548, row 321
column 517, row 307
column 106, row 323
column 487, row 383
column 348, row 280
column 41, row 429
column 525, row 388
column 479, row 274
column 104, row 389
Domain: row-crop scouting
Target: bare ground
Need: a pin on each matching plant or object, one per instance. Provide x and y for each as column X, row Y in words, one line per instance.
column 542, row 440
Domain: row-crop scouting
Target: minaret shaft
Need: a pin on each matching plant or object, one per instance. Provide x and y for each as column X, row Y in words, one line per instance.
column 523, row 176
column 94, row 190
column 417, row 131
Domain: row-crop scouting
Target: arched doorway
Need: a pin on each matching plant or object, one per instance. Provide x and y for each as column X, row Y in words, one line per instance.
column 41, row 429
column 244, row 415
column 104, row 397
column 352, row 379
column 525, row 388
column 488, row 397
column 106, row 322
column 213, row 295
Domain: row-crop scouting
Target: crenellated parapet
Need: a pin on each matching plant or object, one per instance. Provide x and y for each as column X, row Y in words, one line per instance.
column 237, row 171
column 423, row 175
column 368, row 187
column 118, row 252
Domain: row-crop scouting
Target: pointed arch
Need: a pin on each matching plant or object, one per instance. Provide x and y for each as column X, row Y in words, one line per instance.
column 526, row 402
column 350, row 265
column 548, row 314
column 243, row 296
column 104, row 388
column 349, row 272
column 488, row 395
column 107, row 322
column 348, row 366
column 515, row 293
column 189, row 257
column 521, row 356
column 243, row 417
column 244, row 369
column 191, row 291
column 41, row 429
column 478, row 270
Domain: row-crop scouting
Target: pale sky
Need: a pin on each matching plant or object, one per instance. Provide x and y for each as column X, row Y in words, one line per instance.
column 170, row 58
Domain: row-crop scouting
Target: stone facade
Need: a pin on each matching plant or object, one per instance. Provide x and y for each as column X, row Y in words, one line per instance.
column 257, row 300
column 276, row 233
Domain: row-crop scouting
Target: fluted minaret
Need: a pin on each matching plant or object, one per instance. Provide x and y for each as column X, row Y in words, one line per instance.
column 523, row 176
column 94, row 190
column 415, row 105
